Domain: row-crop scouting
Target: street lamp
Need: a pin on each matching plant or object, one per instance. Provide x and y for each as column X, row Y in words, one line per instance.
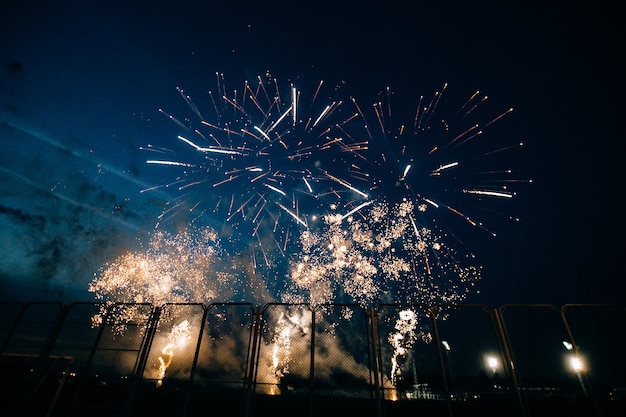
column 576, row 364
column 447, row 349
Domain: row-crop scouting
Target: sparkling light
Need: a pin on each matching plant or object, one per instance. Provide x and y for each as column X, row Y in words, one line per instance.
column 263, row 159
column 360, row 215
column 402, row 340
column 492, row 362
column 375, row 254
column 177, row 268
column 177, row 339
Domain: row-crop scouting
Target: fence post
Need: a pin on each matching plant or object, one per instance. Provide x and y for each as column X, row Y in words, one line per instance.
column 584, row 379
column 153, row 322
column 442, row 365
column 378, row 412
column 251, row 366
column 510, row 365
column 194, row 364
column 39, row 372
column 312, row 362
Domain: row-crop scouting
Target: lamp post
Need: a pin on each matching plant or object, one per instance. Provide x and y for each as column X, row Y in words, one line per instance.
column 447, row 349
column 576, row 364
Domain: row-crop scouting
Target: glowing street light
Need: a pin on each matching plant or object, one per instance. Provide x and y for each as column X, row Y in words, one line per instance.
column 574, row 360
column 492, row 363
column 576, row 363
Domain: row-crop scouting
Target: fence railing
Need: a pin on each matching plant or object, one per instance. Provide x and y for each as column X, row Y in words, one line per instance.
column 276, row 359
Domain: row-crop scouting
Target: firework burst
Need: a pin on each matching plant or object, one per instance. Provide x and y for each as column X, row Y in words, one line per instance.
column 265, row 159
column 365, row 208
column 401, row 244
column 175, row 268
column 378, row 256
column 449, row 160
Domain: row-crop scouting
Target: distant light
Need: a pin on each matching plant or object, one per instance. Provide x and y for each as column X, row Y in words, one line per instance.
column 568, row 345
column 576, row 363
column 492, row 362
column 445, row 345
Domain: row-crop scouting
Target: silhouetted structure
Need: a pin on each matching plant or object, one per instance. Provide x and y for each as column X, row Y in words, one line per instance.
column 241, row 359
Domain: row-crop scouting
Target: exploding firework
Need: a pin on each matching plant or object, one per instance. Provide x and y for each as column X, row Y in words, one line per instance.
column 402, row 340
column 448, row 160
column 264, row 160
column 175, row 268
column 401, row 245
column 443, row 169
column 376, row 257
column 365, row 216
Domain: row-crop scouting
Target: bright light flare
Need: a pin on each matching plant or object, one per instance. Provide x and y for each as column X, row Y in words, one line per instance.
column 576, row 363
column 492, row 362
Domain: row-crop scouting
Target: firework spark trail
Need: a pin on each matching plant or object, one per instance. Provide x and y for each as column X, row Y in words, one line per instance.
column 268, row 147
column 439, row 160
column 177, row 339
column 436, row 174
column 288, row 325
column 402, row 340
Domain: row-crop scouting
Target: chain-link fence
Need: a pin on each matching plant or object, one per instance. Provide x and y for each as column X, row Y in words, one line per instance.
column 237, row 359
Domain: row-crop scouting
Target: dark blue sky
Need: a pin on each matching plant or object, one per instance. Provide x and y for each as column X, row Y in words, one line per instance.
column 81, row 84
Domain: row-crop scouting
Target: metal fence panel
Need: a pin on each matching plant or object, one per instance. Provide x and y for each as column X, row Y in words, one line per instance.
column 535, row 335
column 342, row 376
column 223, row 360
column 410, row 364
column 474, row 361
column 32, row 329
column 283, row 363
column 598, row 337
column 104, row 356
column 77, row 337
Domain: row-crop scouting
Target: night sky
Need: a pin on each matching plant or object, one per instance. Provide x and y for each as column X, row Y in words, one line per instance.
column 81, row 85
